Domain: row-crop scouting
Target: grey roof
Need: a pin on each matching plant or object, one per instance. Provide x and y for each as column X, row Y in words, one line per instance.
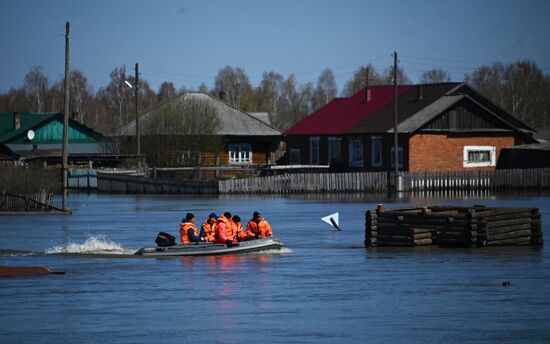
column 427, row 114
column 262, row 116
column 233, row 122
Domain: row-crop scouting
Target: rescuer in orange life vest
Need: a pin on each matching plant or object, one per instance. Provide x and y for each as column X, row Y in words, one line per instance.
column 240, row 235
column 258, row 227
column 188, row 230
column 224, row 229
column 208, row 228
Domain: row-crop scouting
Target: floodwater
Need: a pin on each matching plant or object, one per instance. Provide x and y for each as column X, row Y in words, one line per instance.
column 325, row 287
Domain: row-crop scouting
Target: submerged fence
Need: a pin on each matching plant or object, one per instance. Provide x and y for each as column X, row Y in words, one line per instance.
column 120, row 183
column 382, row 181
column 27, row 202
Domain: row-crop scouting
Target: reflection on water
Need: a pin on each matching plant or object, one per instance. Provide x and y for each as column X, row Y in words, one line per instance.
column 323, row 287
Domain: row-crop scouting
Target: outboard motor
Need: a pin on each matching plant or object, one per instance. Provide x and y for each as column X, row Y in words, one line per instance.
column 164, row 239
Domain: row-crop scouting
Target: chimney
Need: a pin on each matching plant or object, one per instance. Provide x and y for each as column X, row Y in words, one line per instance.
column 419, row 92
column 16, row 121
column 75, row 116
column 368, row 95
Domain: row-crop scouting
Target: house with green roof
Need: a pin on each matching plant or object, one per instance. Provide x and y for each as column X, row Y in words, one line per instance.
column 40, row 136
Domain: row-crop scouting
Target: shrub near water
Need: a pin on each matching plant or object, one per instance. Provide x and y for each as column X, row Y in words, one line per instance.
column 30, row 180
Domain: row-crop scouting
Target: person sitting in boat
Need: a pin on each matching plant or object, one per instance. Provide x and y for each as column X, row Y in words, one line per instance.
column 208, row 228
column 240, row 235
column 224, row 229
column 258, row 227
column 188, row 230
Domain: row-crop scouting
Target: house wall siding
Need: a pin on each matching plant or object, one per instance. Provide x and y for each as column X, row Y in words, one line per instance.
column 445, row 152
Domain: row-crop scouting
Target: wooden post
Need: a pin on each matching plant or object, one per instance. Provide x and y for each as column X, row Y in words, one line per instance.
column 66, row 117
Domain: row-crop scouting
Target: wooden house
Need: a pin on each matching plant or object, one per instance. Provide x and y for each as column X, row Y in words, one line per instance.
column 244, row 140
column 441, row 127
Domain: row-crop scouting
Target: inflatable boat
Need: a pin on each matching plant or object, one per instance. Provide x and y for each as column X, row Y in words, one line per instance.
column 207, row 249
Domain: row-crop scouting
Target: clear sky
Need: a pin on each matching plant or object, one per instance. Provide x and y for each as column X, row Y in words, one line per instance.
column 187, row 42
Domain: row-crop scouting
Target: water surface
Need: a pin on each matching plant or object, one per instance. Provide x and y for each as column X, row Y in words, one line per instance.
column 325, row 288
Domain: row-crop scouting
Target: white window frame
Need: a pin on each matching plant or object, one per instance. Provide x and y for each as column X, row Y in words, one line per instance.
column 240, row 153
column 399, row 156
column 352, row 161
column 314, row 140
column 294, row 152
column 376, row 138
column 332, row 139
column 491, row 149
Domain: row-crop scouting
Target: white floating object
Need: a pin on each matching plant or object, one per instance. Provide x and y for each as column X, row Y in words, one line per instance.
column 30, row 135
column 332, row 220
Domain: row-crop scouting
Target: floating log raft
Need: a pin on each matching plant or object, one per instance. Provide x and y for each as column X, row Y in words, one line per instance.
column 447, row 226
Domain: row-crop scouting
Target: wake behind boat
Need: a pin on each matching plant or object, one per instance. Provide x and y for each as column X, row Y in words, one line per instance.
column 207, row 249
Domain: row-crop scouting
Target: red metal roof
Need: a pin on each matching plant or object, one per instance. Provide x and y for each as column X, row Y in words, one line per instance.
column 341, row 114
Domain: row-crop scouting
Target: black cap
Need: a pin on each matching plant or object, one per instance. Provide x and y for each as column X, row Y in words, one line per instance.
column 189, row 216
column 236, row 218
column 213, row 215
column 256, row 215
column 227, row 214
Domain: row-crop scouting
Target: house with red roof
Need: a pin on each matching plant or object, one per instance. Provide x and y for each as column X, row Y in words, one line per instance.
column 441, row 127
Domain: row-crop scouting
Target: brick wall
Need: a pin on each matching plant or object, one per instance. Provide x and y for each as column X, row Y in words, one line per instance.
column 445, row 152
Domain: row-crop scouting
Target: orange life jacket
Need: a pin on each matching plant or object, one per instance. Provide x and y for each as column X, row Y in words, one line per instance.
column 238, row 230
column 209, row 230
column 224, row 229
column 184, row 236
column 261, row 229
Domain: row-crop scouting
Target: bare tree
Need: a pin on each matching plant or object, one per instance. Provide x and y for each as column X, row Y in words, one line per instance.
column 434, row 76
column 233, row 83
column 166, row 91
column 118, row 96
column 359, row 80
column 296, row 104
column 36, row 89
column 81, row 94
column 270, row 91
column 326, row 89
column 402, row 78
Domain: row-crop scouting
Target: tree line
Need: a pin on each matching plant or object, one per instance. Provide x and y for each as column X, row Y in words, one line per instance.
column 521, row 88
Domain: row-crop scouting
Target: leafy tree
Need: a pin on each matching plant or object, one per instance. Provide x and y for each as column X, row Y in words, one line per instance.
column 434, row 76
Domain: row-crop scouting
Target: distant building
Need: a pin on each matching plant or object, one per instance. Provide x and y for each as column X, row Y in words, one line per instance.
column 536, row 155
column 247, row 140
column 442, row 127
column 38, row 138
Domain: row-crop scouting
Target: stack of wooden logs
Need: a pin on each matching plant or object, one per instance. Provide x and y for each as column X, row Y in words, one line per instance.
column 508, row 226
column 475, row 226
column 398, row 227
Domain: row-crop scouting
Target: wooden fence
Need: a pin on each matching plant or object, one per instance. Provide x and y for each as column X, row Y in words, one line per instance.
column 467, row 181
column 28, row 202
column 121, row 183
column 494, row 180
column 308, row 182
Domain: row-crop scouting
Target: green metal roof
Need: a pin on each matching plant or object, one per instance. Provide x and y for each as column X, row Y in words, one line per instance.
column 48, row 128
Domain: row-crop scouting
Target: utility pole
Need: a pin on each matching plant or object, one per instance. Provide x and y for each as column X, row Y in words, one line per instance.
column 66, row 117
column 136, row 96
column 395, row 134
